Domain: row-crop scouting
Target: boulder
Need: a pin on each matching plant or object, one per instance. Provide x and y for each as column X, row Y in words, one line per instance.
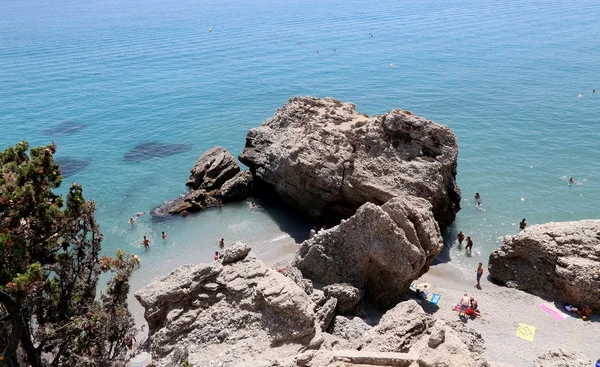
column 239, row 187
column 351, row 329
column 235, row 252
column 190, row 202
column 233, row 312
column 216, row 176
column 213, row 169
column 373, row 252
column 347, row 296
column 326, row 159
column 556, row 261
column 326, row 313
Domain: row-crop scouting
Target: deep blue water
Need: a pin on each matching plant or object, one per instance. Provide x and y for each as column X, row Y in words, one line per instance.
column 102, row 77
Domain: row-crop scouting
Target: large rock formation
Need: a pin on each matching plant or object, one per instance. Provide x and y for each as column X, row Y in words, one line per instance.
column 238, row 312
column 379, row 249
column 228, row 311
column 216, row 176
column 558, row 261
column 326, row 159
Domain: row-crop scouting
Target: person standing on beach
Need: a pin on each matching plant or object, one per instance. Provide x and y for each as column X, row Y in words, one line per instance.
column 146, row 242
column 323, row 229
column 312, row 233
column 461, row 238
column 479, row 272
column 216, row 255
column 469, row 245
column 522, row 225
column 478, row 198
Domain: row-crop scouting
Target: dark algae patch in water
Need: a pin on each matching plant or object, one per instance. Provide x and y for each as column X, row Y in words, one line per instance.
column 145, row 151
column 65, row 128
column 71, row 166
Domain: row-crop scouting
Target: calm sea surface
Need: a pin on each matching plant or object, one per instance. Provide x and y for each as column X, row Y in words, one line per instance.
column 101, row 77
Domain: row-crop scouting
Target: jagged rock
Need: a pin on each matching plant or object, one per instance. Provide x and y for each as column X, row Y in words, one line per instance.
column 318, row 297
column 324, row 158
column 347, row 296
column 407, row 328
column 351, row 329
column 373, row 252
column 216, row 176
column 192, row 201
column 239, row 187
column 558, row 261
column 561, row 358
column 213, row 169
column 450, row 351
column 294, row 274
column 235, row 252
column 399, row 328
column 437, row 337
column 259, row 308
column 326, row 313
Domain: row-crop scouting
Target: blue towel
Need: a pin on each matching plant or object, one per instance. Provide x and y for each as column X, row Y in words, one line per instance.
column 435, row 299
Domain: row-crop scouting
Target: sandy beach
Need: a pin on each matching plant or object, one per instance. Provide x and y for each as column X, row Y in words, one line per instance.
column 502, row 310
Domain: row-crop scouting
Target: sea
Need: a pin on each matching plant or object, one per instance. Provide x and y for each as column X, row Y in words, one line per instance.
column 133, row 92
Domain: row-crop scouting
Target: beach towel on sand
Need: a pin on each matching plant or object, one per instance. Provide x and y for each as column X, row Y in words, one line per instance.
column 526, row 332
column 470, row 312
column 554, row 312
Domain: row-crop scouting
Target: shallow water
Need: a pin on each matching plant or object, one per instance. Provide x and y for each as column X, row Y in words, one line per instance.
column 102, row 77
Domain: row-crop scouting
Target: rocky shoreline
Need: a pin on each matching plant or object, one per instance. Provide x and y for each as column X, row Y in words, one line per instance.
column 386, row 183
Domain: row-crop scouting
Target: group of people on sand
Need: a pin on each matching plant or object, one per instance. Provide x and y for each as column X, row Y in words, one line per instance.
column 468, row 306
column 313, row 231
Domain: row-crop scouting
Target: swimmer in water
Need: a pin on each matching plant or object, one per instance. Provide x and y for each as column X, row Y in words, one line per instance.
column 571, row 181
column 146, row 242
column 523, row 224
column 131, row 221
column 222, row 242
column 478, row 198
column 164, row 236
column 580, row 95
column 139, row 214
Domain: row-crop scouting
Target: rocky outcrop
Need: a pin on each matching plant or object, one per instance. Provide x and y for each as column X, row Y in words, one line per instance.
column 557, row 261
column 239, row 187
column 240, row 313
column 407, row 328
column 326, row 159
column 215, row 177
column 213, row 169
column 379, row 249
column 231, row 312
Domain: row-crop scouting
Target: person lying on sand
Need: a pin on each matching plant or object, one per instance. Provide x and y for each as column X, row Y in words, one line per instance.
column 585, row 312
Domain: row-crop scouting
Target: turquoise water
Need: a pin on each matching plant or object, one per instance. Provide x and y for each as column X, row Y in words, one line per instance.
column 504, row 75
